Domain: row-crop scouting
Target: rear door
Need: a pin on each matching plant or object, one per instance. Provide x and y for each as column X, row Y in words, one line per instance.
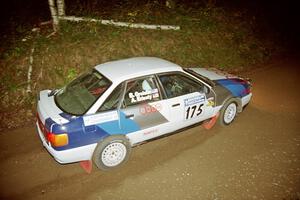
column 144, row 113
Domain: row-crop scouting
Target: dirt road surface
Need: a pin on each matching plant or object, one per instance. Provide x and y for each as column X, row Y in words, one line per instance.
column 257, row 157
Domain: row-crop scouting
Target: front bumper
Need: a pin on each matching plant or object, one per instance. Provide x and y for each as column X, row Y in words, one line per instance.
column 69, row 155
column 246, row 99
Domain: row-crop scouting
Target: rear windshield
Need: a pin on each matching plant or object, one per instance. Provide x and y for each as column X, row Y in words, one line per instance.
column 79, row 95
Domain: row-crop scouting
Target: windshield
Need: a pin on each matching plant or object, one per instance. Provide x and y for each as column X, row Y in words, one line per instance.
column 203, row 78
column 79, row 95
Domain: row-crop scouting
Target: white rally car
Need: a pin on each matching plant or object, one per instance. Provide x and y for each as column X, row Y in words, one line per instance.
column 101, row 114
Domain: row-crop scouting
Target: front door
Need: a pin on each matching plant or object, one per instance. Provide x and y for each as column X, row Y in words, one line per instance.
column 187, row 100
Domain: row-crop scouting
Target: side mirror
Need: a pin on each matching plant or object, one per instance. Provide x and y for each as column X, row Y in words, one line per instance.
column 53, row 92
column 205, row 89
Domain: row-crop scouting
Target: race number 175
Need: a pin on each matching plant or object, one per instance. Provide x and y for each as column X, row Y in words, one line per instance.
column 192, row 111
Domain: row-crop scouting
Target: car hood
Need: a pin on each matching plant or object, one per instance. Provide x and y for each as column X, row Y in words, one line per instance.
column 213, row 74
column 47, row 108
column 237, row 86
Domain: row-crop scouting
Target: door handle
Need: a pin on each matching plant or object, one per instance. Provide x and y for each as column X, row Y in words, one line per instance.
column 177, row 104
column 129, row 116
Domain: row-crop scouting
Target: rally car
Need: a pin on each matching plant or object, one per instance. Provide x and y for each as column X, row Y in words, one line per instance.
column 104, row 112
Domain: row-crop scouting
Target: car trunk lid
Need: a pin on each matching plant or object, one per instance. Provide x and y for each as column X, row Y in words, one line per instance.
column 48, row 111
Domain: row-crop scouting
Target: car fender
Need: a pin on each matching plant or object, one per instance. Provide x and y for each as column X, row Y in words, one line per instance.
column 121, row 135
column 237, row 100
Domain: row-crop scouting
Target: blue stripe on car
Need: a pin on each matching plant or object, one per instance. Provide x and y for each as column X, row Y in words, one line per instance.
column 113, row 127
column 80, row 135
column 48, row 123
column 236, row 87
column 66, row 116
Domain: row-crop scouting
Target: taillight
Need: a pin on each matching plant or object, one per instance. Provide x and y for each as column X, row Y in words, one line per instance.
column 58, row 140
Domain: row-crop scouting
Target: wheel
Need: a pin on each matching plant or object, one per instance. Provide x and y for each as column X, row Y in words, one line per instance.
column 111, row 152
column 228, row 113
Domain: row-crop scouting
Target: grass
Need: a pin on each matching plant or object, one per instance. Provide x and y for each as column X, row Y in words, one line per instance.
column 208, row 38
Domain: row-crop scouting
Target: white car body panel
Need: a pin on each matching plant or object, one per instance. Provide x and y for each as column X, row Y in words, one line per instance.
column 246, row 99
column 212, row 74
column 48, row 108
column 121, row 70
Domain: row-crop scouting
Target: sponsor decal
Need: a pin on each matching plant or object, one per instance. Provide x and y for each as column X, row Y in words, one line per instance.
column 147, row 109
column 144, row 95
column 211, row 101
column 194, row 100
column 151, row 131
column 100, row 118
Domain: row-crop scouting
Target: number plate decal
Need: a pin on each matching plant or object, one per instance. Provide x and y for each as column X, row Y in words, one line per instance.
column 193, row 106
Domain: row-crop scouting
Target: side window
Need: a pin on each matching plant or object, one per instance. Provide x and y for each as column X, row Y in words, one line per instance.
column 111, row 102
column 177, row 84
column 141, row 90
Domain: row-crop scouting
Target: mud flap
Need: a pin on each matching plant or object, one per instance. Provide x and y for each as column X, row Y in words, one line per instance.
column 209, row 124
column 86, row 165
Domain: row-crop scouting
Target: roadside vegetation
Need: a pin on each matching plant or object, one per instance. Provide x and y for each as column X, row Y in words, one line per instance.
column 209, row 37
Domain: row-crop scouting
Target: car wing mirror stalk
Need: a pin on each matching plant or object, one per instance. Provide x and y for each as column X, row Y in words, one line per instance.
column 52, row 92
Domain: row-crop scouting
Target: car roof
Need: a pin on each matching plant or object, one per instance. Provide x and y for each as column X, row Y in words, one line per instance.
column 124, row 69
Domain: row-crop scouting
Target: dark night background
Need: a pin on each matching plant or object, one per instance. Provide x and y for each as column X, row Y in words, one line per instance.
column 274, row 17
column 257, row 157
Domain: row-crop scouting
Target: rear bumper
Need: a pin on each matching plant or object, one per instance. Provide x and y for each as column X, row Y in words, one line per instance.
column 70, row 155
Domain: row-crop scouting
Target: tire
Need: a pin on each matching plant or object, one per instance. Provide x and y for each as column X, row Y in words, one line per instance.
column 111, row 152
column 228, row 113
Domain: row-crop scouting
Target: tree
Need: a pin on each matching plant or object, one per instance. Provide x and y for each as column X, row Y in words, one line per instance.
column 56, row 12
column 61, row 8
column 53, row 11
